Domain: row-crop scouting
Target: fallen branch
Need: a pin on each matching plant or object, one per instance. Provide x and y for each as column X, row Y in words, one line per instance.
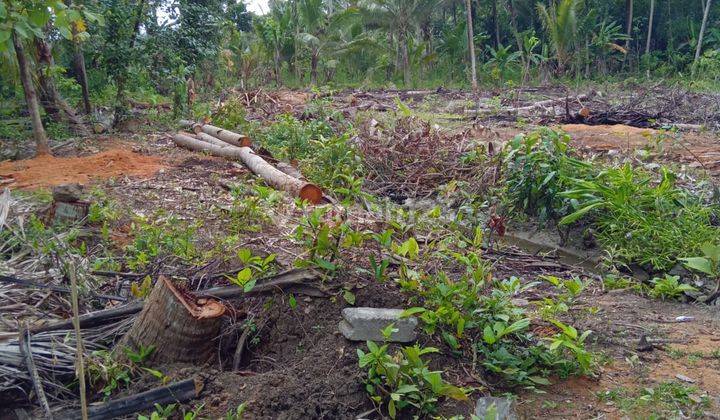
column 26, row 352
column 258, row 166
column 178, row 392
column 280, row 281
column 59, row 289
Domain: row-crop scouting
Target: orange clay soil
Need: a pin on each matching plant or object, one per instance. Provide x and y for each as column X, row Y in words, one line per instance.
column 46, row 171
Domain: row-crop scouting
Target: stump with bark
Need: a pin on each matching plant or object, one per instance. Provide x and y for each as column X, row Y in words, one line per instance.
column 181, row 327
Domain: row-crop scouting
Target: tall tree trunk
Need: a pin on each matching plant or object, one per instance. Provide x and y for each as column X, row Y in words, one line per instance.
column 41, row 140
column 53, row 103
column 471, row 47
column 628, row 22
column 314, row 58
column 698, row 50
column 518, row 38
column 496, row 22
column 121, row 105
column 81, row 75
column 404, row 58
column 650, row 27
column 297, row 39
column 80, row 71
column 276, row 59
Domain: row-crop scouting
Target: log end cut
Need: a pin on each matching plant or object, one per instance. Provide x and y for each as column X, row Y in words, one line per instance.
column 311, row 193
column 180, row 326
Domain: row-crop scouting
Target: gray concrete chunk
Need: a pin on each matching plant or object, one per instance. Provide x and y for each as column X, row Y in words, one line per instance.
column 362, row 324
column 495, row 408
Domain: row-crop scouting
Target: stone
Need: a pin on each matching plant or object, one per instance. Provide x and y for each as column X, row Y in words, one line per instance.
column 502, row 408
column 362, row 324
column 67, row 193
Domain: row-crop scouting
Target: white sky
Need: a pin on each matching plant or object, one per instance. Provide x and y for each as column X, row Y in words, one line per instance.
column 258, row 6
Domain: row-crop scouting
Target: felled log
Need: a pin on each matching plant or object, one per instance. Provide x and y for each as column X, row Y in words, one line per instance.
column 178, row 325
column 207, row 138
column 178, row 392
column 273, row 176
column 239, row 140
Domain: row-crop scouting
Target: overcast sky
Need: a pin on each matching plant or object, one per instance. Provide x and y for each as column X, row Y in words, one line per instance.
column 257, row 6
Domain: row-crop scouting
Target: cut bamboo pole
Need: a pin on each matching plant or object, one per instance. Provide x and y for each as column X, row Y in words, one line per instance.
column 273, row 176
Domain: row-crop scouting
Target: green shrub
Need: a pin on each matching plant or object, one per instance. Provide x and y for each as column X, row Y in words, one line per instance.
column 539, row 169
column 640, row 220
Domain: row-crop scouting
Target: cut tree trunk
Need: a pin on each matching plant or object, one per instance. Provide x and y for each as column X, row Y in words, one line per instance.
column 273, row 176
column 31, row 98
column 181, row 328
column 239, row 140
column 209, row 139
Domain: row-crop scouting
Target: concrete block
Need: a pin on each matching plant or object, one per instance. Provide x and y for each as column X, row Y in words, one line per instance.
column 362, row 324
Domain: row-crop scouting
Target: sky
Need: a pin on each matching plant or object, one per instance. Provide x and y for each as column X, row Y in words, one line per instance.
column 257, row 6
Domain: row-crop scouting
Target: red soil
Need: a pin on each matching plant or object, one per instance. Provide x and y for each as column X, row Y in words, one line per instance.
column 46, row 171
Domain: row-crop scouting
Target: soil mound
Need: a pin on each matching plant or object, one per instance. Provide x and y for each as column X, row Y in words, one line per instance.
column 47, row 171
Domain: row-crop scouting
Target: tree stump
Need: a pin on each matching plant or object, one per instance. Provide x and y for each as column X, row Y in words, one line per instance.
column 179, row 325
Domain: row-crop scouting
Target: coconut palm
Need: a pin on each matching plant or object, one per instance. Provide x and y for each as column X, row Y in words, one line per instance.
column 560, row 22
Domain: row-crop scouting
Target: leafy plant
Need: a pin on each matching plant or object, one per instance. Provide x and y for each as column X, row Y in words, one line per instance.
column 669, row 287
column 639, row 221
column 238, row 413
column 539, row 169
column 160, row 238
column 140, row 355
column 402, row 381
column 105, row 371
column 141, row 290
column 160, row 412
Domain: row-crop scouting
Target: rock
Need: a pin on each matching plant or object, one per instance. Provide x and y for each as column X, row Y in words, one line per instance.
column 67, row 193
column 503, row 408
column 684, row 378
column 362, row 324
column 70, row 212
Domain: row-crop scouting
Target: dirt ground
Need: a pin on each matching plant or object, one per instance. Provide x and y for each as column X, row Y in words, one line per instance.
column 693, row 149
column 47, row 171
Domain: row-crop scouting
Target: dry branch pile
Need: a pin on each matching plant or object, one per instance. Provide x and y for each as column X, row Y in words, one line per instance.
column 412, row 158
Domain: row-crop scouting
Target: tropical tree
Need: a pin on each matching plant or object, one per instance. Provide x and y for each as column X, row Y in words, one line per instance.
column 25, row 21
column 560, row 23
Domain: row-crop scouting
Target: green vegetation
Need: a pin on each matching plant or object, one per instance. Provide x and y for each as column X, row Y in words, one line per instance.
column 668, row 399
column 137, row 58
column 638, row 216
column 397, row 382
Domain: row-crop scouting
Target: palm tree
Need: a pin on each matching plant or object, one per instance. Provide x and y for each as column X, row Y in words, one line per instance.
column 560, row 23
column 398, row 17
column 326, row 35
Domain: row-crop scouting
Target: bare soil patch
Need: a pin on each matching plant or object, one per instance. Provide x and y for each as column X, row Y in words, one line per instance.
column 47, row 171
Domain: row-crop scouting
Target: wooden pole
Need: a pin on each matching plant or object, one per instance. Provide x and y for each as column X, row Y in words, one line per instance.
column 80, row 362
column 273, row 176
